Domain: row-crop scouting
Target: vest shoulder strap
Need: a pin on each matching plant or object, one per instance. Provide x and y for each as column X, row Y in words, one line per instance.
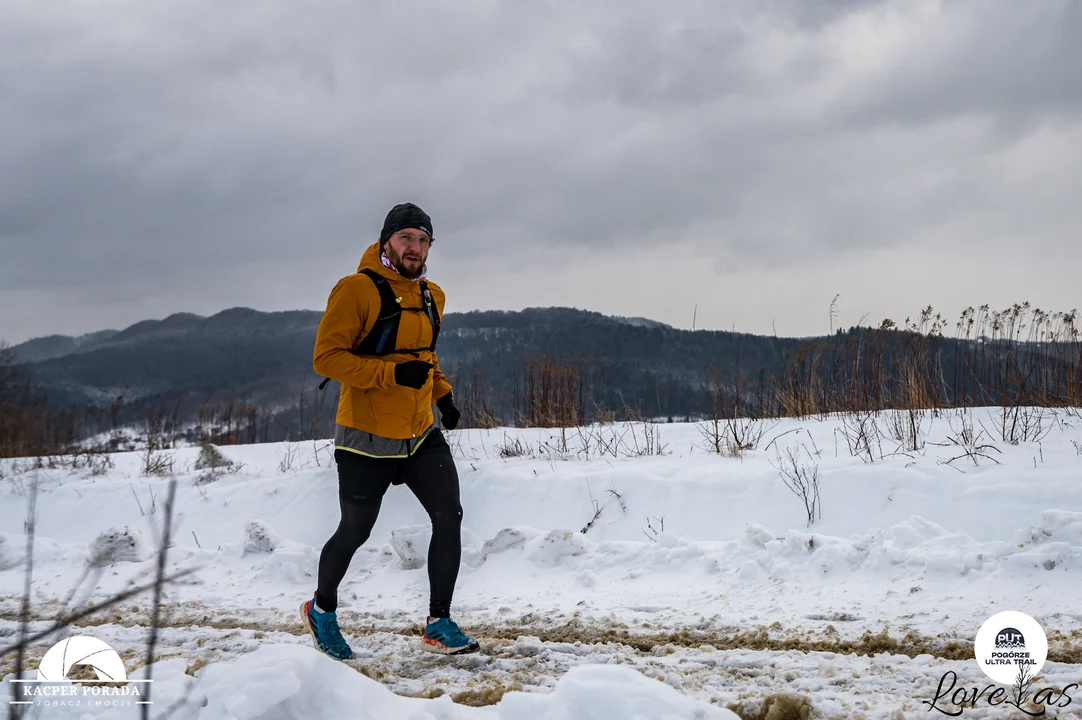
column 381, row 340
column 432, row 311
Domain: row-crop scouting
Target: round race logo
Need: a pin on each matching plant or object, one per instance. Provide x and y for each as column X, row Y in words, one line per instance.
column 1011, row 645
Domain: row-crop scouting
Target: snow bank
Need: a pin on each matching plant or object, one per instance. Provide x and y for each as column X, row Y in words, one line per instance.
column 917, row 546
column 688, row 545
column 290, row 682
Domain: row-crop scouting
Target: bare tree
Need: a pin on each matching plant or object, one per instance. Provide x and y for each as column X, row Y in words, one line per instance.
column 802, row 479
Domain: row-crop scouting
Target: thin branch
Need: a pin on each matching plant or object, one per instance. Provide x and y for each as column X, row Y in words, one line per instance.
column 159, row 581
column 781, row 436
column 24, row 611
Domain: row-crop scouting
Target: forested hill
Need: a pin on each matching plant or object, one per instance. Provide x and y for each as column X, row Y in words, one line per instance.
column 266, row 357
column 260, row 365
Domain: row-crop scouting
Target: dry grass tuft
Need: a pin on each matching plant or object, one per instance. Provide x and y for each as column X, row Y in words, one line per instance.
column 779, row 706
column 485, row 695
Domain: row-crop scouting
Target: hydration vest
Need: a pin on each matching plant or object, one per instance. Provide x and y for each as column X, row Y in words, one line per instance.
column 383, row 337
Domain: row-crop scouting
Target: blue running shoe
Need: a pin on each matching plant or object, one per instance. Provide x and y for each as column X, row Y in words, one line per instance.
column 443, row 636
column 325, row 633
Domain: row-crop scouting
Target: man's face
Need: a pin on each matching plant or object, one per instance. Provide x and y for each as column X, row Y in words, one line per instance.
column 408, row 250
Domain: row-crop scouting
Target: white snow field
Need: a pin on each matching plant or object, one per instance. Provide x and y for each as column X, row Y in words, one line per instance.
column 698, row 589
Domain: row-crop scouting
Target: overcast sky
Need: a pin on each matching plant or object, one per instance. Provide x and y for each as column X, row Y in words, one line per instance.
column 750, row 158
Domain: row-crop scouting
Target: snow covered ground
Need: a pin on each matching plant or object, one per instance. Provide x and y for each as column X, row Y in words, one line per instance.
column 613, row 571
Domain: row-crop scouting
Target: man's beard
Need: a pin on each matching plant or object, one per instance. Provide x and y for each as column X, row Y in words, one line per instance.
column 399, row 261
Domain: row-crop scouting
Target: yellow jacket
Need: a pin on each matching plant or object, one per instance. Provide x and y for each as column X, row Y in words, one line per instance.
column 369, row 399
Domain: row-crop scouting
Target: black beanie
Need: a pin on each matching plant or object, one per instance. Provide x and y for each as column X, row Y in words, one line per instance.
column 405, row 215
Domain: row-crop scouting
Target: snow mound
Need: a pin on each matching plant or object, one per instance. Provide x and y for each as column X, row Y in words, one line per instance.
column 260, row 538
column 527, row 645
column 602, row 692
column 290, row 563
column 212, row 458
column 550, row 549
column 116, row 545
column 506, row 539
column 1056, row 526
column 918, row 546
column 410, row 543
column 8, row 557
column 1055, row 543
column 1064, row 525
column 293, row 682
column 757, row 536
column 277, row 559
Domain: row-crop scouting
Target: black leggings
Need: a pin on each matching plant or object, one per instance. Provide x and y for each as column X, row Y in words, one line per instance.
column 431, row 474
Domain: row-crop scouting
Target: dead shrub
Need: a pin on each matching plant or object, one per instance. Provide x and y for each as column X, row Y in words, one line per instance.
column 513, row 448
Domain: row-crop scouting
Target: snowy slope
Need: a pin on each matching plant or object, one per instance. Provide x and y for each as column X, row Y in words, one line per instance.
column 696, row 569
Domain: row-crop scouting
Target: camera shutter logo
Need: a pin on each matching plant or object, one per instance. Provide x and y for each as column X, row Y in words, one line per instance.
column 81, row 650
column 1008, row 640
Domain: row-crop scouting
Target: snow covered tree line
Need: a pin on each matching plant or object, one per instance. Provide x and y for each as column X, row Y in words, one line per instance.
column 1018, row 358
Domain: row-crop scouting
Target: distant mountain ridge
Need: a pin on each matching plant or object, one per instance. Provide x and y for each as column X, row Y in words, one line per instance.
column 56, row 346
column 266, row 357
column 52, row 346
column 251, row 364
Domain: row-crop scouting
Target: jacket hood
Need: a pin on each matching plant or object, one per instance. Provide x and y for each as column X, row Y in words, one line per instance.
column 371, row 261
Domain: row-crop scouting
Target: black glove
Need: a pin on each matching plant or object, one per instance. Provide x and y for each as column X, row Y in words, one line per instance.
column 412, row 374
column 449, row 414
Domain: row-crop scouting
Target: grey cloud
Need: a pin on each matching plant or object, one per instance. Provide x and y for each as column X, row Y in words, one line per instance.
column 182, row 156
column 1017, row 62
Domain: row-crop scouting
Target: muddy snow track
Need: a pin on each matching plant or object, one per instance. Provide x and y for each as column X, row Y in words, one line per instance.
column 810, row 672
